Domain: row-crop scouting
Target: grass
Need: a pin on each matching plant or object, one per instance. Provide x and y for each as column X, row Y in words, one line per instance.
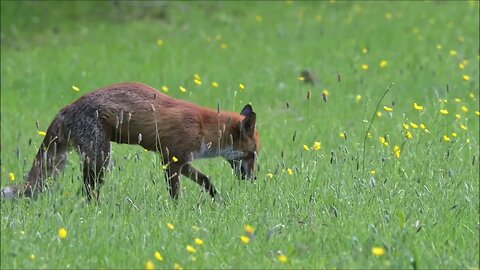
column 421, row 208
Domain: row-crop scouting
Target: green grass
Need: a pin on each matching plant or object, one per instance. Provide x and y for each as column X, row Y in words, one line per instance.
column 422, row 207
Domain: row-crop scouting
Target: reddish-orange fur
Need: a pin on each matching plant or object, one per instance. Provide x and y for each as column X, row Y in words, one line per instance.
column 134, row 113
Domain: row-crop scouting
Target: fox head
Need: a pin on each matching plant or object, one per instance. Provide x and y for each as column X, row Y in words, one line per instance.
column 245, row 141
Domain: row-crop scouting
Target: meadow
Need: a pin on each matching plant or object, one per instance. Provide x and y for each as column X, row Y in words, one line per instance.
column 348, row 178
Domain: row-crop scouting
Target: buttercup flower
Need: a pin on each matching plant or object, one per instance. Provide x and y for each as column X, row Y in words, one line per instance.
column 191, row 249
column 417, row 107
column 198, row 241
column 383, row 64
column 62, row 233
column 282, row 258
column 149, row 265
column 11, row 176
column 170, row 226
column 248, row 229
column 443, row 111
column 378, row 251
column 74, row 88
column 158, row 256
column 245, row 239
column 387, row 109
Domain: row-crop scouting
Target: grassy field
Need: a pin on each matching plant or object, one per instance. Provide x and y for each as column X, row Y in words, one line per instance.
column 407, row 198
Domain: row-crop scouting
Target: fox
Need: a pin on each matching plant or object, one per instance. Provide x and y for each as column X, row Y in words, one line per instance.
column 137, row 114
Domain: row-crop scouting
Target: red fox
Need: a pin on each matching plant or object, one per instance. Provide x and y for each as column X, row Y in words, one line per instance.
column 134, row 113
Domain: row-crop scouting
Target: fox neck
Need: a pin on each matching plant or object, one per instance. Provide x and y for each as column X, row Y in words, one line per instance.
column 218, row 135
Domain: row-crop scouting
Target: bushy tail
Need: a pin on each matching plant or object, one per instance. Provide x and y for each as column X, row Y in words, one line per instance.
column 49, row 161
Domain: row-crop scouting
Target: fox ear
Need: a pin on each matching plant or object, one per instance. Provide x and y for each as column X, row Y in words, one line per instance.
column 247, row 110
column 248, row 123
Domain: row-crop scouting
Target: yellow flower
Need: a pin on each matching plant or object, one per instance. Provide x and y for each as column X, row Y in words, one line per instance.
column 177, row 266
column 443, row 111
column 164, row 166
column 364, row 67
column 149, row 265
column 379, row 114
column 290, row 171
column 245, row 239
column 197, row 81
column 454, row 134
column 159, row 42
column 191, row 249
column 383, row 64
column 301, row 78
column 32, row 256
column 461, row 66
column 396, row 151
column 11, row 176
column 195, row 228
column 196, row 76
column 223, row 46
column 463, row 127
column 241, row 86
column 453, row 52
column 158, row 256
column 408, row 135
column 378, row 251
column 182, row 89
column 358, row 98
column 282, row 258
column 477, row 113
column 446, row 138
column 439, row 46
column 317, row 146
column 248, row 229
column 364, row 50
column 170, row 226
column 270, row 175
column 174, row 159
column 305, row 147
column 373, row 172
column 458, row 116
column 422, row 126
column 457, row 100
column 405, row 126
column 325, row 93
column 198, row 241
column 74, row 88
column 41, row 133
column 214, row 84
column 383, row 141
column 165, row 89
column 342, row 135
column 466, row 77
column 413, row 125
column 388, row 15
column 465, row 109
column 387, row 109
column 62, row 233
column 417, row 107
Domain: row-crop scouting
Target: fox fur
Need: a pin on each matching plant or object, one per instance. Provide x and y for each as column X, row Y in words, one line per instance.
column 134, row 113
